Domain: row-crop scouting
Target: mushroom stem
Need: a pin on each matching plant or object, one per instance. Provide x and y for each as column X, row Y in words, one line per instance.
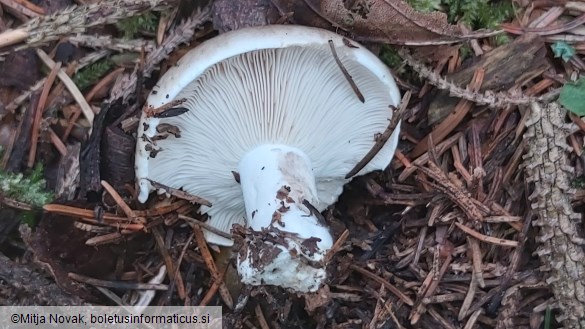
column 285, row 244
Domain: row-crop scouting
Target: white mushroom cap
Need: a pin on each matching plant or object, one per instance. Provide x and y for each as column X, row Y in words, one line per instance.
column 266, row 85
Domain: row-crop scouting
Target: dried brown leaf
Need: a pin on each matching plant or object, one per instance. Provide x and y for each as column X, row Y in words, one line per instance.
column 389, row 21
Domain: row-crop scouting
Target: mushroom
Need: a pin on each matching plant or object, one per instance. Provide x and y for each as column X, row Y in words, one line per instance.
column 286, row 110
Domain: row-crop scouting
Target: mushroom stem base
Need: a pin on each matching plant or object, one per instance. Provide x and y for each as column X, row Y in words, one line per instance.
column 269, row 259
column 285, row 244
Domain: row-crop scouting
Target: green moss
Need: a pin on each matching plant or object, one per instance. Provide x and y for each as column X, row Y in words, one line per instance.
column 476, row 14
column 578, row 182
column 131, row 26
column 30, row 189
column 91, row 74
column 465, row 51
column 425, row 6
column 390, row 57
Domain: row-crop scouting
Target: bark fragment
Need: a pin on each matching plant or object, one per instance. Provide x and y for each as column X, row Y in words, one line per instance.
column 560, row 251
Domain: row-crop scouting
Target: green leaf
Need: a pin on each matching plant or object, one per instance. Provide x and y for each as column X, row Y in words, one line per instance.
column 573, row 97
column 563, row 50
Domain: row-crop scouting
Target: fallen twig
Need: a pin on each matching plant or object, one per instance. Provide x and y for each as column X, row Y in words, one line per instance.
column 346, row 74
column 402, row 296
column 485, row 238
column 382, row 138
column 489, row 98
column 215, row 274
column 78, row 19
column 117, row 284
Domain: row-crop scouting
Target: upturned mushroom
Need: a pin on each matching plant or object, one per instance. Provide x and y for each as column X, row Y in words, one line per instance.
column 267, row 122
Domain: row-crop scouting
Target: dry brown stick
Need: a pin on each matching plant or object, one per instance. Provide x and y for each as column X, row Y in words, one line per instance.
column 441, row 320
column 476, row 260
column 432, row 287
column 162, row 210
column 217, row 277
column 575, row 145
column 502, row 219
column 459, row 165
column 31, row 6
column 109, row 78
column 206, row 226
column 104, row 239
column 485, row 238
column 121, row 45
column 456, row 193
column 514, row 162
column 378, row 308
column 171, row 268
column 512, row 268
column 443, row 129
column 388, row 306
column 18, row 133
column 121, row 203
column 209, row 294
column 180, row 259
column 424, row 158
column 402, row 158
column 25, row 95
column 58, row 91
column 422, row 290
column 261, row 318
column 212, row 290
column 346, row 74
column 402, row 296
column 545, row 30
column 382, row 138
column 89, row 217
column 103, row 83
column 440, row 299
column 489, row 98
column 473, row 319
column 540, row 86
column 82, row 213
column 39, row 114
column 78, row 19
column 12, row 203
column 70, row 85
column 468, row 297
column 56, row 141
column 24, row 7
column 180, row 194
column 151, row 111
column 117, row 284
column 336, row 246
